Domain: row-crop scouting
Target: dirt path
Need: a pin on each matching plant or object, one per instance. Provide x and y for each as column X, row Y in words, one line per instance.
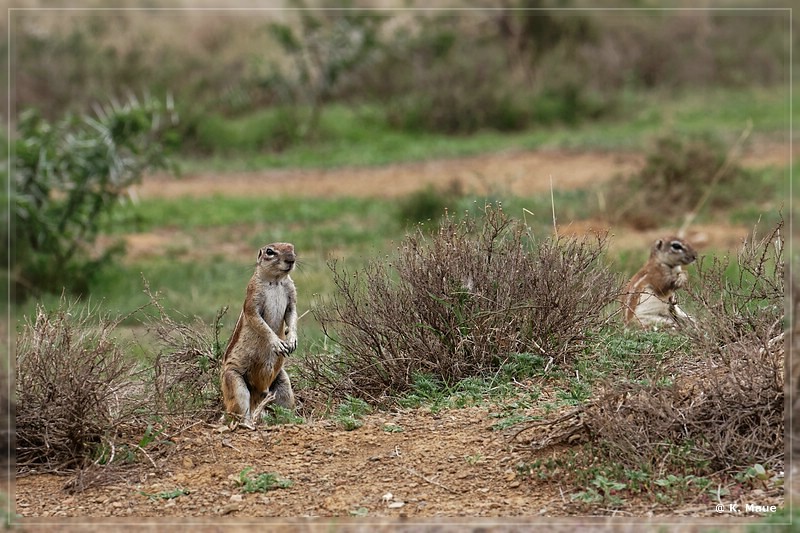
column 514, row 172
column 520, row 173
column 449, row 464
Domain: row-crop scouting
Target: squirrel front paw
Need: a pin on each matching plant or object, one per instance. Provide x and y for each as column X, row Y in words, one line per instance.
column 291, row 343
column 285, row 346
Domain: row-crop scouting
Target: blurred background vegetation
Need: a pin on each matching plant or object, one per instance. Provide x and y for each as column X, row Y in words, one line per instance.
column 251, row 89
column 253, row 81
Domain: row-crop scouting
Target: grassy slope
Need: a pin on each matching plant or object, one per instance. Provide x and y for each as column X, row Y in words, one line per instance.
column 361, row 137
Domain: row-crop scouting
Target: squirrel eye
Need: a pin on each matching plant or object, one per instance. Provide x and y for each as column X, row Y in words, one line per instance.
column 676, row 245
column 270, row 252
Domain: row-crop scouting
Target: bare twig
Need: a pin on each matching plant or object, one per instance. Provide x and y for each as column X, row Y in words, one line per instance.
column 553, row 206
column 429, row 480
column 146, row 455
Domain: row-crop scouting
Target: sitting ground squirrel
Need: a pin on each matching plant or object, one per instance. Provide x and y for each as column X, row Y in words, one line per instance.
column 266, row 332
column 650, row 299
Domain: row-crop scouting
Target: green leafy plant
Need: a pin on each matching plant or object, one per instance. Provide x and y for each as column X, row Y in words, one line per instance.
column 66, row 177
column 609, row 488
column 261, row 483
column 753, row 475
column 277, row 415
column 636, row 479
column 588, row 496
column 474, row 459
column 150, row 435
column 166, row 495
column 604, row 491
column 349, row 413
column 578, row 392
column 677, row 488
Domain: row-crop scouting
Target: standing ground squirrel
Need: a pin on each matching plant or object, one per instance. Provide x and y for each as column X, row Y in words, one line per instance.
column 650, row 299
column 266, row 332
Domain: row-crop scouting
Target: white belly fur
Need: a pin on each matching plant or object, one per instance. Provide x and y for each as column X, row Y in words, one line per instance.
column 275, row 308
column 652, row 310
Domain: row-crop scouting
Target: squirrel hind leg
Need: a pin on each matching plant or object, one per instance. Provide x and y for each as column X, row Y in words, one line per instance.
column 236, row 395
column 282, row 389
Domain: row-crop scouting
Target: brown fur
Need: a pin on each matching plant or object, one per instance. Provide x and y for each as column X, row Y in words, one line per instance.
column 266, row 332
column 659, row 278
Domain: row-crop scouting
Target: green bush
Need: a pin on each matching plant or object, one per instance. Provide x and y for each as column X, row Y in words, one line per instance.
column 435, row 79
column 677, row 174
column 270, row 130
column 68, row 175
column 429, row 204
column 504, row 69
column 324, row 49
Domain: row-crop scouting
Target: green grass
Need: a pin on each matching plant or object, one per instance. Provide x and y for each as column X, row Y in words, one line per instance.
column 166, row 495
column 359, row 136
column 279, row 215
column 261, row 483
column 349, row 413
column 628, row 353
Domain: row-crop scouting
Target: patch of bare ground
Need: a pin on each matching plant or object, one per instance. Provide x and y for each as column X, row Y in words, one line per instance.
column 450, row 464
column 702, row 236
column 519, row 173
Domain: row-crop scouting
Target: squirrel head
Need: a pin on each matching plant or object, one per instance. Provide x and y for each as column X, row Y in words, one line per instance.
column 673, row 251
column 276, row 260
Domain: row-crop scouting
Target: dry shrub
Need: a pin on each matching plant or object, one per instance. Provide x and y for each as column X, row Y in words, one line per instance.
column 740, row 306
column 84, row 400
column 726, row 409
column 457, row 303
column 187, row 367
column 75, row 387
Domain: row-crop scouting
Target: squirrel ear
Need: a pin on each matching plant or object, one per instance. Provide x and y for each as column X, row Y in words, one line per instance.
column 659, row 244
column 260, row 253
